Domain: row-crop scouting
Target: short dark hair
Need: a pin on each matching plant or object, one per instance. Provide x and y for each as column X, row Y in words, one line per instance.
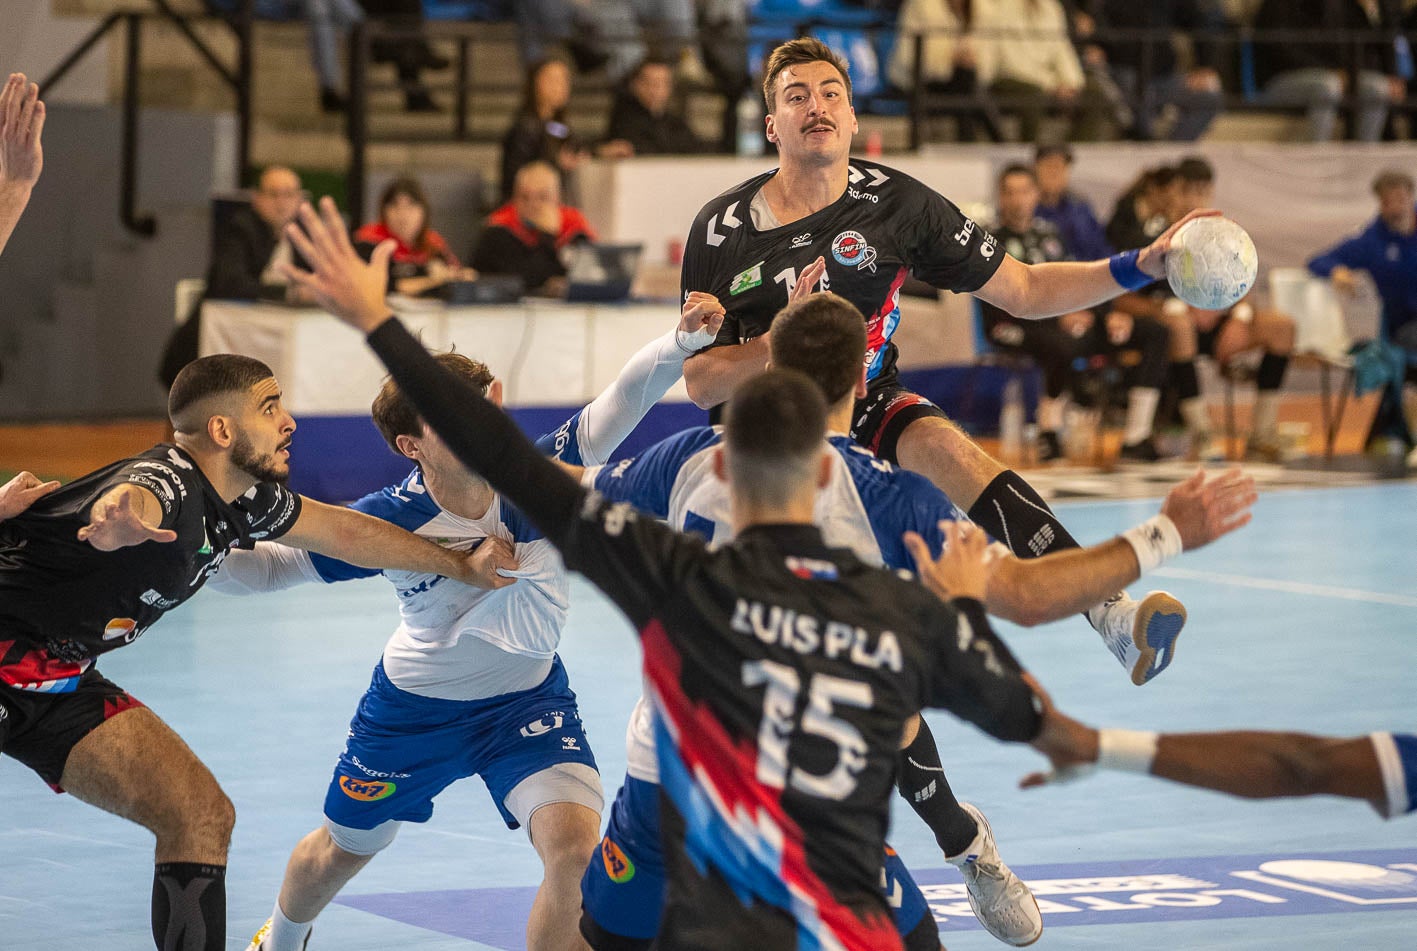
column 1160, row 177
column 1018, row 168
column 1062, row 149
column 1194, row 170
column 215, row 375
column 806, row 49
column 823, row 337
column 1391, row 178
column 775, row 424
column 653, row 59
column 396, row 416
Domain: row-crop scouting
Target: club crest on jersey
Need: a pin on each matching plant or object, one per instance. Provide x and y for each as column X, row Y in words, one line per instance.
column 850, row 248
column 811, row 568
column 747, row 280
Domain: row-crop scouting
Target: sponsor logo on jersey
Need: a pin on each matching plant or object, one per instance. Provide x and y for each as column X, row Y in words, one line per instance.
column 366, row 790
column 124, row 627
column 155, row 599
column 746, row 280
column 552, row 721
column 811, row 568
column 617, row 864
column 850, row 248
column 801, row 240
column 376, row 773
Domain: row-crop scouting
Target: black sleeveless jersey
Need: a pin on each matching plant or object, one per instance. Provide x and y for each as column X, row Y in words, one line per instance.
column 64, row 602
column 885, row 226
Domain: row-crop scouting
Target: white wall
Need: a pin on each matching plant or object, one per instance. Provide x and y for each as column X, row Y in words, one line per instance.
column 33, row 41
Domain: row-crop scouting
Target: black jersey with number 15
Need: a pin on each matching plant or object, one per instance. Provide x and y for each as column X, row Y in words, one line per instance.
column 885, row 226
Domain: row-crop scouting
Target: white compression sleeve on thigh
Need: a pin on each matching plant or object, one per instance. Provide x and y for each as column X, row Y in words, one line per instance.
column 363, row 841
column 643, row 382
column 563, row 782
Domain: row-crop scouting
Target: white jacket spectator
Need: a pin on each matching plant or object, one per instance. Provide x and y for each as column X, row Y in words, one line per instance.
column 1026, row 41
column 944, row 41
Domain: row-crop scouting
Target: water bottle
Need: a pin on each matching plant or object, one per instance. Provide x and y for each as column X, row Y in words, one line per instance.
column 750, row 126
column 1011, row 416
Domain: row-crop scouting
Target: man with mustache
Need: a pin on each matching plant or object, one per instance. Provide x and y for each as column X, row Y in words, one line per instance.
column 88, row 568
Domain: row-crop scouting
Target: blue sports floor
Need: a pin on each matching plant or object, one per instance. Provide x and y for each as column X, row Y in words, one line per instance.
column 1306, row 620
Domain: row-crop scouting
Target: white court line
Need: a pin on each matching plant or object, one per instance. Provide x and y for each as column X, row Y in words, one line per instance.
column 1291, row 587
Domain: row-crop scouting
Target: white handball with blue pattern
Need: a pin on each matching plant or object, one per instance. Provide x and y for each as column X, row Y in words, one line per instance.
column 1212, row 263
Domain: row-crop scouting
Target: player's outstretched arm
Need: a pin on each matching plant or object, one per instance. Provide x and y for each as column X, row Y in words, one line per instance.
column 1035, row 291
column 1196, row 512
column 370, row 542
column 21, row 153
column 124, row 516
column 21, row 492
column 1250, row 764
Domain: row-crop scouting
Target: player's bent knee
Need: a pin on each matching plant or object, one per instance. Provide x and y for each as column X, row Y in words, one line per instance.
column 357, row 845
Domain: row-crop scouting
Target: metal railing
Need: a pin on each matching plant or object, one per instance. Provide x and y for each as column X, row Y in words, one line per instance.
column 237, row 78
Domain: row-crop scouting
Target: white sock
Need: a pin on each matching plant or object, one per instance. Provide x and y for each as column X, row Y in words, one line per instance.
column 1141, row 413
column 1196, row 415
column 1266, row 425
column 286, row 935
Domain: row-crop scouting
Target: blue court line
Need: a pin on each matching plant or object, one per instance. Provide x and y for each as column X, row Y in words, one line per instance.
column 1069, row 895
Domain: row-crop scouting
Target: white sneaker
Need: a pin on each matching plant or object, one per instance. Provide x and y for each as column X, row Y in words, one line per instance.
column 1000, row 899
column 258, row 939
column 1140, row 634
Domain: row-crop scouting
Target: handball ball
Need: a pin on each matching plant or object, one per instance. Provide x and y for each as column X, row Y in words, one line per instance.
column 1212, row 263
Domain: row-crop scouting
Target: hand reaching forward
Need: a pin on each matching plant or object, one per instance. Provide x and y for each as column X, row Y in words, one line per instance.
column 487, row 561
column 1152, row 258
column 21, row 492
column 340, row 280
column 1205, row 510
column 810, row 277
column 963, row 569
column 122, row 519
column 21, row 123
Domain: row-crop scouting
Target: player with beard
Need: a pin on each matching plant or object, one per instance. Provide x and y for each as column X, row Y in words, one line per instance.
column 90, row 567
column 858, row 229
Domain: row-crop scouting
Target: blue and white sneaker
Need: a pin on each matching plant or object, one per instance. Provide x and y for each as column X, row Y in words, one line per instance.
column 1140, row 634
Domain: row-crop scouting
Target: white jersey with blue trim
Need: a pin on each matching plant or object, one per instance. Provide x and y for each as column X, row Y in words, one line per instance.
column 867, row 506
column 430, row 653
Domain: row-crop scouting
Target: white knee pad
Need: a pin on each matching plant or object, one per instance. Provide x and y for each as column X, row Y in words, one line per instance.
column 363, row 841
column 564, row 782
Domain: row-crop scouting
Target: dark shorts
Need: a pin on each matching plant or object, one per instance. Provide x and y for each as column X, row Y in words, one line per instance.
column 39, row 729
column 1207, row 339
column 884, row 414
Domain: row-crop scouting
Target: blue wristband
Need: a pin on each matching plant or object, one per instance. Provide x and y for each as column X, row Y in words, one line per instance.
column 1126, row 273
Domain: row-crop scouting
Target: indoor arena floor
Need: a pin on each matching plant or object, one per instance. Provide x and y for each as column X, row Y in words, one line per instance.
column 1306, row 620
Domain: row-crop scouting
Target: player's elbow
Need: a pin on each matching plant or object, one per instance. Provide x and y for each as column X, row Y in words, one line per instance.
column 699, row 383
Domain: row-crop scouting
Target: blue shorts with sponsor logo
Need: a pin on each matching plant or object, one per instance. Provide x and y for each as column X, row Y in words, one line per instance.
column 404, row 749
column 622, row 891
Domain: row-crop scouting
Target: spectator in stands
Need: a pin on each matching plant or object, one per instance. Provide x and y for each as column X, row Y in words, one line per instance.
column 723, row 40
column 410, row 55
column 1316, row 75
column 1059, row 344
column 248, row 249
column 329, row 20
column 642, row 118
column 1082, row 235
column 527, row 236
column 422, row 261
column 1027, row 61
column 1148, row 73
column 540, row 132
column 1387, row 250
column 626, row 30
column 1143, row 209
column 949, row 62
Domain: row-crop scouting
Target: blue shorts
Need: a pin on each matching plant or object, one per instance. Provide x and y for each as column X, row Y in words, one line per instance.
column 404, row 749
column 622, row 891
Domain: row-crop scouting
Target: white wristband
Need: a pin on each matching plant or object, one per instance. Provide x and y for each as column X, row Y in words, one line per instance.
column 692, row 343
column 1154, row 541
column 1128, row 750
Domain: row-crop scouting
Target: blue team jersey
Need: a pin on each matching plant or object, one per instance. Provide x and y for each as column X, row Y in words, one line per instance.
column 867, row 506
